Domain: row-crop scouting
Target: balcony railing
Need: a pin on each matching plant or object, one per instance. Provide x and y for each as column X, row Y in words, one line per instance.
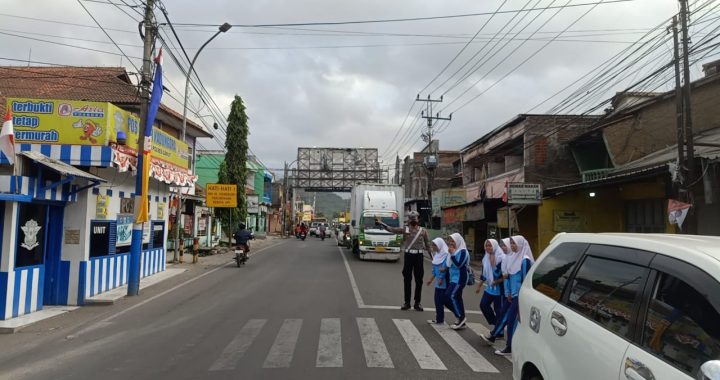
column 595, row 175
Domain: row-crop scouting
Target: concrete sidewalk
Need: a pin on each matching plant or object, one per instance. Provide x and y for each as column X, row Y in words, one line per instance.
column 109, row 297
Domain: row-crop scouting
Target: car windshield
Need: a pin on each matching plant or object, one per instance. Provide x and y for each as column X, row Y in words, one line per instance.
column 393, row 220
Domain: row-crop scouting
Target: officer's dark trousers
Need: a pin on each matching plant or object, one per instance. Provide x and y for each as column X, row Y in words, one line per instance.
column 413, row 264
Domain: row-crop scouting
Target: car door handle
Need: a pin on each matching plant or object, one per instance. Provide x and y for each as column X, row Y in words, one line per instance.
column 558, row 323
column 635, row 370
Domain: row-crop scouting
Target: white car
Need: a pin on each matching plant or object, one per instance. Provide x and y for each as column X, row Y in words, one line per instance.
column 621, row 306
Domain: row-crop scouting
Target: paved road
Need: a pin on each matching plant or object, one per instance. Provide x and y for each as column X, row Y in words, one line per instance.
column 293, row 312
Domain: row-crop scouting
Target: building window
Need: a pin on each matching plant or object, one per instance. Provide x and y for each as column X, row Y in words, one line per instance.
column 31, row 233
column 645, row 216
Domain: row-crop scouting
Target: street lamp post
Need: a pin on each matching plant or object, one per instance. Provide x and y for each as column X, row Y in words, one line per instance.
column 222, row 29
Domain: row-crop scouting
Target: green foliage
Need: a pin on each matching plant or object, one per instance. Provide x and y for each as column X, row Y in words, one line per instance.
column 233, row 169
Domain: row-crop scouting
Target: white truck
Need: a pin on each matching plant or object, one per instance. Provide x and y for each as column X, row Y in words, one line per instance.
column 386, row 202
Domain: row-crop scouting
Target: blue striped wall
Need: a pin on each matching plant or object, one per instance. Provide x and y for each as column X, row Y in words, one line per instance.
column 153, row 261
column 104, row 273
column 100, row 274
column 26, row 287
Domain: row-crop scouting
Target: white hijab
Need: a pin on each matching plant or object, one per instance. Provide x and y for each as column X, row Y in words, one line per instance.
column 459, row 246
column 488, row 269
column 442, row 254
column 515, row 259
column 506, row 243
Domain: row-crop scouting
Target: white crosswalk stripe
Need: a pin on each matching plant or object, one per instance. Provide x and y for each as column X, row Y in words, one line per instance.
column 330, row 345
column 473, row 358
column 480, row 329
column 282, row 350
column 237, row 348
column 376, row 354
column 424, row 354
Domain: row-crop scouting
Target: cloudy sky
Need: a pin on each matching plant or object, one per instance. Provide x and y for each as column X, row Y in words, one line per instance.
column 349, row 85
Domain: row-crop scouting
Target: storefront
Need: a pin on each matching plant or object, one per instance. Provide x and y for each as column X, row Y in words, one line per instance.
column 58, row 255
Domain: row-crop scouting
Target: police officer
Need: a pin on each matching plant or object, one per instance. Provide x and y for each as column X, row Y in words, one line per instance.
column 416, row 245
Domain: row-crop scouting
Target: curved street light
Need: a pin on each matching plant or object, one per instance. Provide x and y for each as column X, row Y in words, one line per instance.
column 221, row 29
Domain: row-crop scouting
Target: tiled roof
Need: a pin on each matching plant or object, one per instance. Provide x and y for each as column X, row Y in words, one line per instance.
column 97, row 84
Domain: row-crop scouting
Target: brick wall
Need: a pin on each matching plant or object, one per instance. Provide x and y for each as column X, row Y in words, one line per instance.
column 653, row 128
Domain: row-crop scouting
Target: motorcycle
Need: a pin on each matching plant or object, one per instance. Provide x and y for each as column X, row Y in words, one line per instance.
column 322, row 235
column 303, row 235
column 241, row 256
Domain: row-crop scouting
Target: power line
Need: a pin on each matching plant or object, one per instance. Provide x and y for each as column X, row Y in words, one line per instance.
column 399, row 19
column 463, row 48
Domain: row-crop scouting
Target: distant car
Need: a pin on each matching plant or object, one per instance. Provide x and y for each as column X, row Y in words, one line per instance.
column 313, row 231
column 342, row 237
column 627, row 306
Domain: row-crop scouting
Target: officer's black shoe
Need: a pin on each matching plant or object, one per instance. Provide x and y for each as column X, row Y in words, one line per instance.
column 418, row 307
column 405, row 306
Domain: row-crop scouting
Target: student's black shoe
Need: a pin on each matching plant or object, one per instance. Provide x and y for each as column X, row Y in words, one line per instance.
column 504, row 352
column 489, row 340
column 405, row 307
column 418, row 307
column 459, row 324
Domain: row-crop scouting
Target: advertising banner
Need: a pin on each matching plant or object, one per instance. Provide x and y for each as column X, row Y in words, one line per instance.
column 74, row 122
column 124, row 230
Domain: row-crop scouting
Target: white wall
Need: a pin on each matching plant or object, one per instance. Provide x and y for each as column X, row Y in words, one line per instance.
column 79, row 214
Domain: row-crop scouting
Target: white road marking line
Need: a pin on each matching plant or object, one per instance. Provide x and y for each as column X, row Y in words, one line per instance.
column 353, row 284
column 238, row 346
column 419, row 347
column 361, row 304
column 281, row 352
column 477, row 362
column 329, row 352
column 480, row 329
column 376, row 354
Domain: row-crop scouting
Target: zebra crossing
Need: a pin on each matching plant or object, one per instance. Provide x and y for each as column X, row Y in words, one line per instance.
column 376, row 352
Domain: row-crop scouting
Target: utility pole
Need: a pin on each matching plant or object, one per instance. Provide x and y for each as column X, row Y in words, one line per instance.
column 285, row 200
column 678, row 109
column 137, row 233
column 687, row 116
column 687, row 110
column 431, row 160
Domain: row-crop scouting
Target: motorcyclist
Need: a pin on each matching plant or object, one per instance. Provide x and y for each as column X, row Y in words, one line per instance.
column 243, row 237
column 303, row 229
column 322, row 230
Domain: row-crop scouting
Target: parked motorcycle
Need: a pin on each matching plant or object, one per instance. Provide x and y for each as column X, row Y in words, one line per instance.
column 241, row 255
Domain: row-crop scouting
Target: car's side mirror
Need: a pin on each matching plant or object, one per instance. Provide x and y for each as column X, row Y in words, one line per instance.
column 709, row 371
column 352, row 223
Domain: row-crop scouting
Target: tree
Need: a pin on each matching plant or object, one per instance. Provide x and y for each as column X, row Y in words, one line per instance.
column 233, row 170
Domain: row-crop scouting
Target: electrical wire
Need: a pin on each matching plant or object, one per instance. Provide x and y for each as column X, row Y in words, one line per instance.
column 399, row 19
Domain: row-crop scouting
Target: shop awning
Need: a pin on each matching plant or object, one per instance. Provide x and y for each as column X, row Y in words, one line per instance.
column 68, row 171
column 60, row 166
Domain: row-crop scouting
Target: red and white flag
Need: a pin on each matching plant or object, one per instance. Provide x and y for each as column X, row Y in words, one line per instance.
column 7, row 138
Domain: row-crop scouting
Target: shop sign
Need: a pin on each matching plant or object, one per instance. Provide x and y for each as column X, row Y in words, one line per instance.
column 253, row 204
column 127, row 206
column 569, row 221
column 307, row 216
column 72, row 236
column 165, row 147
column 475, row 212
column 101, row 206
column 453, row 215
column 202, row 226
column 221, row 195
column 161, row 210
column 521, row 193
column 74, row 122
column 188, row 224
column 99, row 238
column 124, row 230
column 47, row 121
column 447, row 198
